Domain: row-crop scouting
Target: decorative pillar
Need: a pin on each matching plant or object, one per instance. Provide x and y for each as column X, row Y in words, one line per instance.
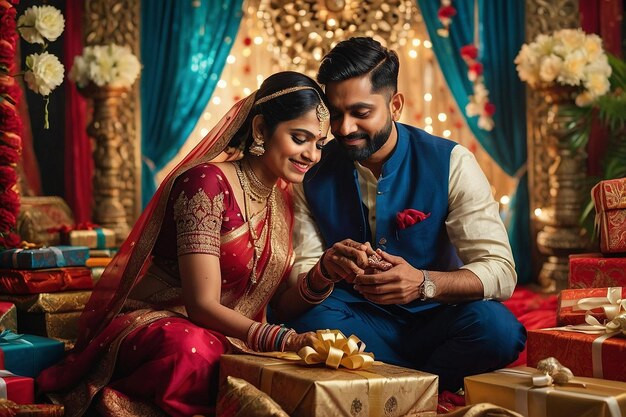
column 108, row 133
column 562, row 234
column 118, row 21
column 543, row 17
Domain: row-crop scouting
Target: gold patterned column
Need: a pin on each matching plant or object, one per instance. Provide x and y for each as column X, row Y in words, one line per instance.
column 562, row 234
column 118, row 21
column 544, row 16
column 108, row 133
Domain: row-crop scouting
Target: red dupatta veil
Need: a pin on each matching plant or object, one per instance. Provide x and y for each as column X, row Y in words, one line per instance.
column 129, row 265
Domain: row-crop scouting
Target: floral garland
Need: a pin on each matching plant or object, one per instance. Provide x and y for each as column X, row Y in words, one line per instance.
column 479, row 104
column 10, row 126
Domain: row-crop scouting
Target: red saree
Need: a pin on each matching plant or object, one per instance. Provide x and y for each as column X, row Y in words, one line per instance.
column 137, row 354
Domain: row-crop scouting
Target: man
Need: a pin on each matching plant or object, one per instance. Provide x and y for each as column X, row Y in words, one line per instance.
column 427, row 298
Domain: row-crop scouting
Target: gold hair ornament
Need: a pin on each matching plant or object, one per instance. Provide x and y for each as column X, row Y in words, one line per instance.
column 321, row 111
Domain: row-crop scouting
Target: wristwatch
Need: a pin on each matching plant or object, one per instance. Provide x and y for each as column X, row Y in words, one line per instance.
column 428, row 289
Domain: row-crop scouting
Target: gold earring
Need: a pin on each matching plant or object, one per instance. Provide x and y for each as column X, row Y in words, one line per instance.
column 257, row 148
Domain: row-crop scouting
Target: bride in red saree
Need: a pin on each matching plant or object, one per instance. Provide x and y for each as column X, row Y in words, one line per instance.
column 200, row 265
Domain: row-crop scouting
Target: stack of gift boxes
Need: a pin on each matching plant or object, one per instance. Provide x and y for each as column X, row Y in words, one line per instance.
column 43, row 290
column 590, row 338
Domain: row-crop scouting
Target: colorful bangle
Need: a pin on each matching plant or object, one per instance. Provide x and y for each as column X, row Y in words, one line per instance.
column 310, row 295
column 264, row 337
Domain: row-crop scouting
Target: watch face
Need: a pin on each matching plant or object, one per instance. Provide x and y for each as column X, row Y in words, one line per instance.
column 429, row 289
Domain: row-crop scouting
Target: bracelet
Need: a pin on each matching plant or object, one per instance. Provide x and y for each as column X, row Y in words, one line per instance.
column 310, row 295
column 265, row 337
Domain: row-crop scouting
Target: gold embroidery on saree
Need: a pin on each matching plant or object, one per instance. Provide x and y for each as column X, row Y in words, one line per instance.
column 198, row 223
column 112, row 404
column 258, row 296
column 77, row 400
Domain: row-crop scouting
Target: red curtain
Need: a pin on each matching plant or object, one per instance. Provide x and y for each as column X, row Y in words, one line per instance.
column 603, row 17
column 29, row 169
column 78, row 158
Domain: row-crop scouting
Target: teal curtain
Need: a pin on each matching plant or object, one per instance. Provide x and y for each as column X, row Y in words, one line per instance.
column 501, row 35
column 184, row 46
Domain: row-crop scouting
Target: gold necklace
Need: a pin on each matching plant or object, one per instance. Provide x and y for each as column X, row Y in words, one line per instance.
column 254, row 238
column 256, row 190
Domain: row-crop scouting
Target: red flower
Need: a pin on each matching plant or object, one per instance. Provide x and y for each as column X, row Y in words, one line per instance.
column 7, row 220
column 8, row 138
column 490, row 109
column 469, row 52
column 446, row 12
column 7, row 53
column 10, row 200
column 476, row 68
column 9, row 240
column 8, row 155
column 409, row 217
column 8, row 177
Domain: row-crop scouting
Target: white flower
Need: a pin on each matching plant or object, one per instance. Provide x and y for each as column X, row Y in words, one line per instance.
column 41, row 22
column 45, row 73
column 567, row 57
column 486, row 123
column 550, row 68
column 105, row 65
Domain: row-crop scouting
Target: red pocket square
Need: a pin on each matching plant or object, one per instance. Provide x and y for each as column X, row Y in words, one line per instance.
column 409, row 217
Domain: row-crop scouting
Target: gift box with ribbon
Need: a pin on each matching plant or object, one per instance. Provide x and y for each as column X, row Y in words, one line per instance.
column 47, row 257
column 379, row 390
column 593, row 270
column 28, row 355
column 588, row 350
column 92, row 236
column 23, row 281
column 56, row 302
column 609, row 198
column 19, row 389
column 602, row 303
column 531, row 394
column 8, row 316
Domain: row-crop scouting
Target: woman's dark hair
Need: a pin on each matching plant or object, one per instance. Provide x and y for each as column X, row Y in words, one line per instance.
column 359, row 56
column 282, row 108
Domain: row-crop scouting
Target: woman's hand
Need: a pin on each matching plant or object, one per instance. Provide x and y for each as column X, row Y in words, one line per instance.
column 299, row 340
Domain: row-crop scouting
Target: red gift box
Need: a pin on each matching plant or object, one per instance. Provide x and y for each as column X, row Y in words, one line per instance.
column 589, row 355
column 22, row 281
column 573, row 304
column 8, row 316
column 609, row 198
column 592, row 270
column 19, row 389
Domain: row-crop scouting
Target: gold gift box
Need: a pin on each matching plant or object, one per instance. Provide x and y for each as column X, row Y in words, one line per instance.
column 62, row 326
column 381, row 390
column 58, row 302
column 8, row 318
column 515, row 391
column 89, row 238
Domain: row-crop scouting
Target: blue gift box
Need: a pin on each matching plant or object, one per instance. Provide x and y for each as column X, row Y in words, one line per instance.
column 28, row 355
column 49, row 257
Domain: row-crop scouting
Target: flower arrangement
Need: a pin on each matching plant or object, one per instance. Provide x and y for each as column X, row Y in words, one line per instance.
column 567, row 57
column 44, row 72
column 102, row 65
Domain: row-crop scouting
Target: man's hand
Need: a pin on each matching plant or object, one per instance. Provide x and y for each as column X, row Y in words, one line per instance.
column 346, row 259
column 299, row 340
column 398, row 285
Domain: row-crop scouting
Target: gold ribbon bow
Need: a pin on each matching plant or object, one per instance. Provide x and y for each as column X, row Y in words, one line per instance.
column 613, row 304
column 334, row 349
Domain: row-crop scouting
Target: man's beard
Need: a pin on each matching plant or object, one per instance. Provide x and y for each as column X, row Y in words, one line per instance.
column 372, row 144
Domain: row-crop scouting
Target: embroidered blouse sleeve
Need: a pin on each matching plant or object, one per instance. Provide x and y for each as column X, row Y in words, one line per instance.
column 198, row 210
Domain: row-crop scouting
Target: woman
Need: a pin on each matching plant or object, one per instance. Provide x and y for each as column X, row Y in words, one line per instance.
column 200, row 265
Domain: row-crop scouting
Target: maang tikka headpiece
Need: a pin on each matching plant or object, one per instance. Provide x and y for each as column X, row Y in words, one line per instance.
column 321, row 111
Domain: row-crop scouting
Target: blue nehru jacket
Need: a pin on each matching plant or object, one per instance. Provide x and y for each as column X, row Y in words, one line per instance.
column 416, row 177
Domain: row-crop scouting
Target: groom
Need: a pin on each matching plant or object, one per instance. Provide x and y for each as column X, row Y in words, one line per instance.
column 424, row 204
